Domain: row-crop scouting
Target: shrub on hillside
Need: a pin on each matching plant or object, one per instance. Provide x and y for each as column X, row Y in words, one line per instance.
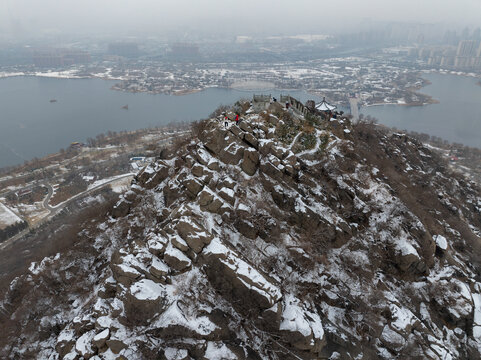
column 308, row 140
column 199, row 126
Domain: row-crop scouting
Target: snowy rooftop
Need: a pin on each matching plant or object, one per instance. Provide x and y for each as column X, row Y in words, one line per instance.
column 325, row 106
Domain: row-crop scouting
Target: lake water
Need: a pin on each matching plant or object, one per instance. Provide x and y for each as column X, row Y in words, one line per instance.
column 456, row 118
column 31, row 126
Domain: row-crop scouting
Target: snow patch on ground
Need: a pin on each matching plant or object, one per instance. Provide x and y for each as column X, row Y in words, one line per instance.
column 441, row 242
column 217, row 351
column 8, row 217
column 147, row 290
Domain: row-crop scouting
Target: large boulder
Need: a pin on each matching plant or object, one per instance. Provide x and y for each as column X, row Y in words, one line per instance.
column 116, row 345
column 197, row 170
column 265, row 146
column 232, row 154
column 158, row 268
column 215, row 140
column 406, row 257
column 278, row 152
column 99, row 340
column 213, row 165
column 143, row 300
column 65, row 342
column 215, row 206
column 176, row 259
column 202, row 156
column 237, row 131
column 194, row 234
column 193, row 186
column 251, row 291
column 228, row 195
column 153, row 177
column 124, row 274
column 156, row 244
column 250, row 162
column 178, row 242
column 245, row 126
column 172, row 192
column 121, row 209
column 246, row 228
column 300, row 327
column 227, row 182
column 206, row 196
column 251, row 140
column 83, row 345
column 270, row 169
column 392, row 339
column 209, row 201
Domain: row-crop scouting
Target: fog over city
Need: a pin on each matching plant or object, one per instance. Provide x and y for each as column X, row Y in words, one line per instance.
column 31, row 18
column 240, row 180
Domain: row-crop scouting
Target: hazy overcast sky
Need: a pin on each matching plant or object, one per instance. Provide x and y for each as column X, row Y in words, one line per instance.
column 29, row 17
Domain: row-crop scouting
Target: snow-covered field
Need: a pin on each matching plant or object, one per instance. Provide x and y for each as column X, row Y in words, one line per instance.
column 106, row 180
column 4, row 74
column 7, row 217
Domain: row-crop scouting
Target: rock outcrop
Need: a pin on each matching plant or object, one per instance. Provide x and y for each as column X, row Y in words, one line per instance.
column 279, row 238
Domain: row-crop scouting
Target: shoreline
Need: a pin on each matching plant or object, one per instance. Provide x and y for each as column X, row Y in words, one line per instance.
column 70, row 74
column 61, row 75
column 429, row 102
column 452, row 72
column 186, row 92
column 434, row 101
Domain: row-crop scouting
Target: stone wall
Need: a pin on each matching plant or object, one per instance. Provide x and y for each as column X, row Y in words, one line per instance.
column 261, row 102
column 296, row 104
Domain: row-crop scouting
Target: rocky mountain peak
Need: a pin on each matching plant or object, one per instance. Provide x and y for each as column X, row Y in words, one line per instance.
column 285, row 236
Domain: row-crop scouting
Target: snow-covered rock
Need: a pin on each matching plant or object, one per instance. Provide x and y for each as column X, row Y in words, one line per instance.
column 176, row 259
column 222, row 250
column 302, row 328
column 144, row 299
column 238, row 279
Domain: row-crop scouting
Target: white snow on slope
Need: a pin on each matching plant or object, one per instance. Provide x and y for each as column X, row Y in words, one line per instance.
column 7, row 217
column 173, row 316
column 441, row 241
column 146, row 289
column 217, row 351
column 245, row 273
column 294, row 319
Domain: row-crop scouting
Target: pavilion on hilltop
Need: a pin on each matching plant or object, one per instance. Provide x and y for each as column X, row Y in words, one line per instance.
column 325, row 106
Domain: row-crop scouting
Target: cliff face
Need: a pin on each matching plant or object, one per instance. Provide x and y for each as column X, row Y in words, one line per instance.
column 280, row 238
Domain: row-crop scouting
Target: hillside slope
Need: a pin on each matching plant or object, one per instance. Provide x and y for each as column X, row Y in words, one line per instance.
column 280, row 238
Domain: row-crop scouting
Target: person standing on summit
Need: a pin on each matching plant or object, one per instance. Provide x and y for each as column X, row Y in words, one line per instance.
column 226, row 120
column 237, row 119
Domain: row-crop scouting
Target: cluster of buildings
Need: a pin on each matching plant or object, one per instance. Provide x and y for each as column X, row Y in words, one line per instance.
column 372, row 80
column 59, row 57
column 466, row 56
column 184, row 50
column 124, row 49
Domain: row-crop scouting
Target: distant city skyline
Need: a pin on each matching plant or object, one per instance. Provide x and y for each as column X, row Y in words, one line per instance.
column 30, row 18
